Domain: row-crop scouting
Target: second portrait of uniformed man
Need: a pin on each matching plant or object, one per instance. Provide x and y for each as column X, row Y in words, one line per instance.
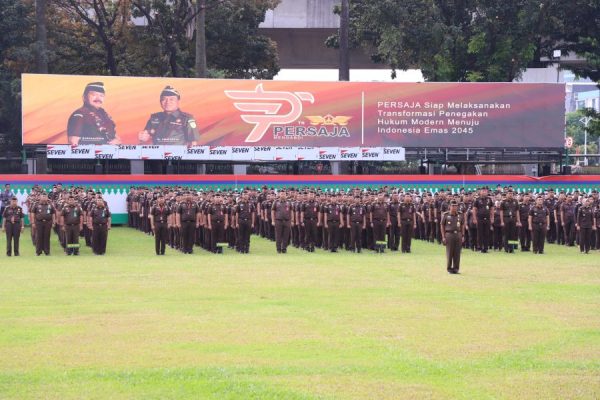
column 170, row 126
column 90, row 124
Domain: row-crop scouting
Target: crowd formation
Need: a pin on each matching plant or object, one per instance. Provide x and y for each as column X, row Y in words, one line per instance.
column 360, row 219
column 309, row 218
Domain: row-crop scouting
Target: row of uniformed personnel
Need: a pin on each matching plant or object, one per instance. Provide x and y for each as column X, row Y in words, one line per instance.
column 71, row 213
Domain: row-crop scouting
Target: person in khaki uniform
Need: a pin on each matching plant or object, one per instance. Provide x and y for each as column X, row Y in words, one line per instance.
column 585, row 224
column 71, row 222
column 159, row 223
column 539, row 224
column 244, row 220
column 407, row 220
column 44, row 218
column 100, row 220
column 281, row 217
column 452, row 228
column 380, row 219
column 357, row 221
column 187, row 221
column 13, row 223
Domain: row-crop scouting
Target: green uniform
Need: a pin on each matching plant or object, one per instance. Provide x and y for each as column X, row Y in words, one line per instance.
column 176, row 128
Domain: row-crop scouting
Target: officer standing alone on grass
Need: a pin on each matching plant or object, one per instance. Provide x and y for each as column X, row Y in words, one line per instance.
column 452, row 228
column 13, row 223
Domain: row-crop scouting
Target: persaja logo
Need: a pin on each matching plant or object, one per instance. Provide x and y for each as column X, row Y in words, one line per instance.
column 268, row 104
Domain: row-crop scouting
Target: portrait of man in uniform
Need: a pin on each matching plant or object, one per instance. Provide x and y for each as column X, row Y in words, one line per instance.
column 170, row 126
column 91, row 124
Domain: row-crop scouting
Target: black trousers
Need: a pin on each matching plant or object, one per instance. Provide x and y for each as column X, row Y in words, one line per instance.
column 282, row 234
column 71, row 236
column 161, row 234
column 13, row 233
column 585, row 239
column 551, row 235
column 217, row 233
column 538, row 236
column 483, row 233
column 99, row 238
column 188, row 232
column 394, row 235
column 244, row 231
column 560, row 234
column 379, row 230
column 406, row 230
column 356, row 235
column 333, row 227
column 310, row 233
column 473, row 237
column 570, row 231
column 42, row 236
column 509, row 232
column 525, row 236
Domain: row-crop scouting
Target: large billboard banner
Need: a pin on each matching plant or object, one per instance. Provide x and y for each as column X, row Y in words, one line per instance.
column 132, row 111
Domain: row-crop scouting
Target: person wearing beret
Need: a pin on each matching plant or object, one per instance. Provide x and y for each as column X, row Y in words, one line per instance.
column 90, row 124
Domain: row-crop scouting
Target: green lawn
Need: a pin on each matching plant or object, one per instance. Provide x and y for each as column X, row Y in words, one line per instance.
column 297, row 326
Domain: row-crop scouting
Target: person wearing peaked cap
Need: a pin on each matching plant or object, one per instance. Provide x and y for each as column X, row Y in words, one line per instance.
column 90, row 124
column 13, row 223
column 171, row 126
column 43, row 219
column 452, row 226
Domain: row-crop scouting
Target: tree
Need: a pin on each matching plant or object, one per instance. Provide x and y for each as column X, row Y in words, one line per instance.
column 344, row 73
column 201, row 65
column 234, row 45
column 459, row 40
column 16, row 38
column 574, row 26
column 41, row 38
column 110, row 21
column 169, row 22
column 229, row 44
column 576, row 29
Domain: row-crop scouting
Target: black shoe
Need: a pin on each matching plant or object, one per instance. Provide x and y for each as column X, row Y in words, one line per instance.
column 284, row 250
column 408, row 251
column 8, row 254
column 16, row 254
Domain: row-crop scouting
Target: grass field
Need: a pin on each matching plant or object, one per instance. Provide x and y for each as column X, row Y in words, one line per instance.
column 131, row 325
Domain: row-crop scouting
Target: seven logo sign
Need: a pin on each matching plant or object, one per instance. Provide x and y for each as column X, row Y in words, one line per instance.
column 268, row 103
